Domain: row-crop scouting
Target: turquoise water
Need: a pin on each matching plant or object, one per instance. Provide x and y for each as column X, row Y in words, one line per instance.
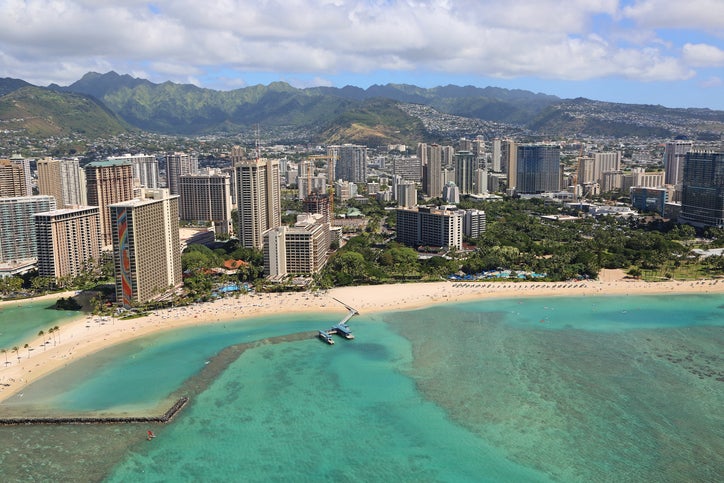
column 563, row 389
column 21, row 322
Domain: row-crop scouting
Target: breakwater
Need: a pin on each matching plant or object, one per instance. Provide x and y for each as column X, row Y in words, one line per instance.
column 164, row 418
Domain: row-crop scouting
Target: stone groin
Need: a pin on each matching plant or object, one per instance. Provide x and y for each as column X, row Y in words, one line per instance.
column 164, row 418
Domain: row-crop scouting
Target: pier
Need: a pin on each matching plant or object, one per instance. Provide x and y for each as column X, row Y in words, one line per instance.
column 164, row 418
column 341, row 328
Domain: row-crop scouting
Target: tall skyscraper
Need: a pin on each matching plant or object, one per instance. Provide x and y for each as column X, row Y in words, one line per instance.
column 146, row 246
column 539, row 168
column 178, row 164
column 350, row 162
column 465, row 172
column 258, row 195
column 674, row 156
column 24, row 165
column 495, row 162
column 586, row 170
column 13, row 181
column 509, row 160
column 108, row 182
column 67, row 241
column 17, row 228
column 206, row 197
column 64, row 179
column 431, row 156
column 145, row 169
column 702, row 198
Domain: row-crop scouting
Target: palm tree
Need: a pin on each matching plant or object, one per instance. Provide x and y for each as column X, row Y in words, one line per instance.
column 16, row 349
column 27, row 346
column 5, row 351
column 50, row 332
column 41, row 334
column 56, row 330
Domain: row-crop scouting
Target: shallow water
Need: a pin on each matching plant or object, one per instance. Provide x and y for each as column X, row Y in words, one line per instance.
column 21, row 322
column 566, row 389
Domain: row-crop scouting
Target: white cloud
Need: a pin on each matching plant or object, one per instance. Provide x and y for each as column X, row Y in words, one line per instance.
column 181, row 40
column 692, row 14
column 703, row 55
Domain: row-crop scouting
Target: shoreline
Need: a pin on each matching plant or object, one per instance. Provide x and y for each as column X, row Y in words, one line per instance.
column 89, row 334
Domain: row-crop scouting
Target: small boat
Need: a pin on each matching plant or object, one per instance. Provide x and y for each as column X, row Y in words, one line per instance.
column 326, row 337
column 150, row 435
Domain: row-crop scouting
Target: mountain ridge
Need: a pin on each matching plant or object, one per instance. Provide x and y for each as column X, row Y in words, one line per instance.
column 329, row 112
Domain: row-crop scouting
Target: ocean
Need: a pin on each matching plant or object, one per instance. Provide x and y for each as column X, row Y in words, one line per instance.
column 626, row 388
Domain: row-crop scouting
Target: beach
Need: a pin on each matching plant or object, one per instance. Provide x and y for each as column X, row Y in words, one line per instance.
column 90, row 334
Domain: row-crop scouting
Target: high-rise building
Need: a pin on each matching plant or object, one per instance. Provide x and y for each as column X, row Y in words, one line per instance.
column 24, row 165
column 206, row 197
column 612, row 181
column 646, row 179
column 237, row 155
column 304, row 178
column 495, row 162
column 145, row 169
column 465, row 144
column 586, row 170
column 258, row 195
column 178, row 164
column 318, row 203
column 649, row 199
column 68, row 241
column 63, row 179
column 344, row 190
column 13, row 180
column 465, row 167
column 674, row 156
column 17, row 227
column 605, row 162
column 425, row 226
column 702, row 197
column 407, row 194
column 509, row 161
column 474, row 223
column 407, row 167
column 146, row 246
column 451, row 193
column 108, row 182
column 431, row 159
column 297, row 250
column 350, row 162
column 539, row 168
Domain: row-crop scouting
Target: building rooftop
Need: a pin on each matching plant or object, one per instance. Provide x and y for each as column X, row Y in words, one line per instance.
column 109, row 162
column 65, row 211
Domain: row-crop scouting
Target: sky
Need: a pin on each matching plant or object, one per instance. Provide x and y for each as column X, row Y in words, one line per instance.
column 666, row 52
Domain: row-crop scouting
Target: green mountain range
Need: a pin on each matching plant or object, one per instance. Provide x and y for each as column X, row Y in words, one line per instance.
column 42, row 112
column 381, row 114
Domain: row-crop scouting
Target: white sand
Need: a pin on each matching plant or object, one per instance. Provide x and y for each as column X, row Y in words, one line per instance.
column 87, row 335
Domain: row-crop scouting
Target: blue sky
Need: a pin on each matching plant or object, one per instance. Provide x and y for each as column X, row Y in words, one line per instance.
column 634, row 51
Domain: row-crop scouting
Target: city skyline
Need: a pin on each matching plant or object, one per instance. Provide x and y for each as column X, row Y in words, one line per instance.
column 631, row 51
